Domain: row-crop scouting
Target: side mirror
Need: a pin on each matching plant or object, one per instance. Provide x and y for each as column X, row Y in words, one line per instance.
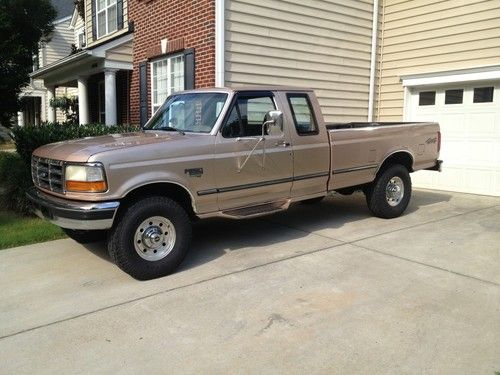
column 273, row 123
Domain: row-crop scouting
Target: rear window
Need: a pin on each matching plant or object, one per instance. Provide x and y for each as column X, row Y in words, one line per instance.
column 303, row 115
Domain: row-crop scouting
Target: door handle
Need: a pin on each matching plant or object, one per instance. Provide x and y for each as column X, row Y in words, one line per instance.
column 282, row 144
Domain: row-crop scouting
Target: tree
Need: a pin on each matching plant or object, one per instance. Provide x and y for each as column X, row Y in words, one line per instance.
column 23, row 24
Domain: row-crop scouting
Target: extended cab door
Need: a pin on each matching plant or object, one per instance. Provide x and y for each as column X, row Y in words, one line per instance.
column 251, row 168
column 310, row 143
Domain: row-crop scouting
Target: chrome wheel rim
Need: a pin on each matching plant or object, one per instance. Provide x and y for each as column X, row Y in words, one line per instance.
column 394, row 191
column 154, row 238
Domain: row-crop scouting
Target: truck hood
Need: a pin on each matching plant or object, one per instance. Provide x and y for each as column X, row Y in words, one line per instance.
column 80, row 150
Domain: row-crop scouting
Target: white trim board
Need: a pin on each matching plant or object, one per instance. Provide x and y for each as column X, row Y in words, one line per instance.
column 489, row 73
column 219, row 42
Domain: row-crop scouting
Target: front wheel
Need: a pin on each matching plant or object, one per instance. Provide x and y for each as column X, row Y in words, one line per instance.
column 390, row 193
column 151, row 238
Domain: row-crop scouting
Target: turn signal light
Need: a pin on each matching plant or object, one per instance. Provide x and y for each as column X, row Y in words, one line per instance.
column 87, row 186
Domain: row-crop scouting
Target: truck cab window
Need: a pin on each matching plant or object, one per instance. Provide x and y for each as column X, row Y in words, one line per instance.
column 247, row 116
column 302, row 113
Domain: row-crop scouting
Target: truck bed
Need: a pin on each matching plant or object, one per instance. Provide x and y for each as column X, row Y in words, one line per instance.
column 358, row 149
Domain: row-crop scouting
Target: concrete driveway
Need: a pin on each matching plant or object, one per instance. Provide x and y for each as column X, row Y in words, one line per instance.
column 319, row 289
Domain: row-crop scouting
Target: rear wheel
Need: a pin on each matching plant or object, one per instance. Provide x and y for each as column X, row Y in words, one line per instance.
column 151, row 238
column 85, row 236
column 390, row 193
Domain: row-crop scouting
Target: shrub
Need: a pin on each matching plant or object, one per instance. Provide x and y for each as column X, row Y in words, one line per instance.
column 15, row 179
column 29, row 138
column 15, row 169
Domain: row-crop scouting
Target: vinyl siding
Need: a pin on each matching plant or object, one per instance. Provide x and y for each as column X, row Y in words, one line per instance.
column 428, row 36
column 324, row 45
column 59, row 45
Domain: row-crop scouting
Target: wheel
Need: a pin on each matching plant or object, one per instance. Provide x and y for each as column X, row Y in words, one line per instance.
column 85, row 236
column 313, row 200
column 390, row 193
column 150, row 238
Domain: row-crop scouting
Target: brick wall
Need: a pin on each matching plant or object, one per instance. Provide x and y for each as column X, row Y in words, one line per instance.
column 192, row 21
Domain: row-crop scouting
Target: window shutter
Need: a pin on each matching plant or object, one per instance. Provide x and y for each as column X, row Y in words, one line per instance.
column 119, row 15
column 94, row 20
column 143, row 92
column 189, row 69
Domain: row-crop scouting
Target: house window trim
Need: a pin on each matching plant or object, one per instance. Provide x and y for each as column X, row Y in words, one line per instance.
column 167, row 57
column 105, row 9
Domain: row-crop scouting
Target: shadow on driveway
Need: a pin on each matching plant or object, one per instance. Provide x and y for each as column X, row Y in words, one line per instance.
column 212, row 238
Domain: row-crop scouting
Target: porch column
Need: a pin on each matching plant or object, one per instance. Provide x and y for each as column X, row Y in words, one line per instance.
column 83, row 101
column 51, row 94
column 20, row 118
column 110, row 94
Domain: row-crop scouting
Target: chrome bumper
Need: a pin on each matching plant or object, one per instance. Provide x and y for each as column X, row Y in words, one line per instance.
column 72, row 214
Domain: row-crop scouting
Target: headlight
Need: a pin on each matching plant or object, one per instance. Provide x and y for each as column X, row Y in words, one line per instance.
column 88, row 178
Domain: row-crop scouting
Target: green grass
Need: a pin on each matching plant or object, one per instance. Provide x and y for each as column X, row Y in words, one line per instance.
column 16, row 230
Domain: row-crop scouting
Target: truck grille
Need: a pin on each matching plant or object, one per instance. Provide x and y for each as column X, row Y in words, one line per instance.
column 47, row 174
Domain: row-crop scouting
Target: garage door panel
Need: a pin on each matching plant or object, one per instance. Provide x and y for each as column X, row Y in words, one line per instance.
column 470, row 141
column 478, row 124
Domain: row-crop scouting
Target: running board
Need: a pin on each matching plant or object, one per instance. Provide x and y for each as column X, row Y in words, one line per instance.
column 254, row 211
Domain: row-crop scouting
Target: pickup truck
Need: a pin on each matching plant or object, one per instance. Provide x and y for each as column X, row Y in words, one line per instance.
column 236, row 153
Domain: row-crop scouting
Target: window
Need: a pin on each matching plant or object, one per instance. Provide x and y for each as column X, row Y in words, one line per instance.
column 454, row 96
column 302, row 113
column 81, row 38
column 194, row 112
column 167, row 76
column 106, row 17
column 427, row 98
column 247, row 116
column 483, row 94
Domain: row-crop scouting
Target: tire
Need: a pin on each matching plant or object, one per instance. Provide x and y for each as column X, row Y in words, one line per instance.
column 388, row 196
column 141, row 246
column 313, row 200
column 85, row 236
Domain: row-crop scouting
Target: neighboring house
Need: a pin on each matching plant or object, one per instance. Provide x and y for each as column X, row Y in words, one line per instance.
column 35, row 104
column 100, row 68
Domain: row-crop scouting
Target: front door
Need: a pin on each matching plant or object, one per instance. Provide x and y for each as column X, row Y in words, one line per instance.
column 252, row 167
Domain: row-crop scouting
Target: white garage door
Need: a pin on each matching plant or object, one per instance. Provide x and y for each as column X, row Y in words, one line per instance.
column 470, row 127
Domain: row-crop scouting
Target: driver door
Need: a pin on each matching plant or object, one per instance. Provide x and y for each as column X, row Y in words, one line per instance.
column 251, row 167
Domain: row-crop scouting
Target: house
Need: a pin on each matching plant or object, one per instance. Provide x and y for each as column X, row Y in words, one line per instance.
column 415, row 60
column 34, row 102
column 99, row 68
column 383, row 60
column 440, row 61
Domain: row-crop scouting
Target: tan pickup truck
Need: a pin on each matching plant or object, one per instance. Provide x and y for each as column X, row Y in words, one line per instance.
column 237, row 153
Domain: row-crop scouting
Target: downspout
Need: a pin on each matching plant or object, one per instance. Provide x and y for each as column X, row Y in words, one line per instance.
column 371, row 93
column 219, row 43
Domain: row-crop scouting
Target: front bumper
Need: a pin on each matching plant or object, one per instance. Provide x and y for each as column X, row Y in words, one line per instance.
column 72, row 214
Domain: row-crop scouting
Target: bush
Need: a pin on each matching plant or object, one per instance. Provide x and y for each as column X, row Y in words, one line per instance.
column 15, row 179
column 29, row 138
column 15, row 169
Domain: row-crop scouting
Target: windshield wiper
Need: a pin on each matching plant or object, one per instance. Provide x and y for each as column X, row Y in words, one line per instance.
column 170, row 128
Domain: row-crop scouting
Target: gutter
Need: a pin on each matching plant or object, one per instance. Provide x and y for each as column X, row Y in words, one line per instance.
column 373, row 59
column 71, row 58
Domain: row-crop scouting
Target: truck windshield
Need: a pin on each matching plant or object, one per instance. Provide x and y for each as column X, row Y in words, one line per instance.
column 193, row 112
